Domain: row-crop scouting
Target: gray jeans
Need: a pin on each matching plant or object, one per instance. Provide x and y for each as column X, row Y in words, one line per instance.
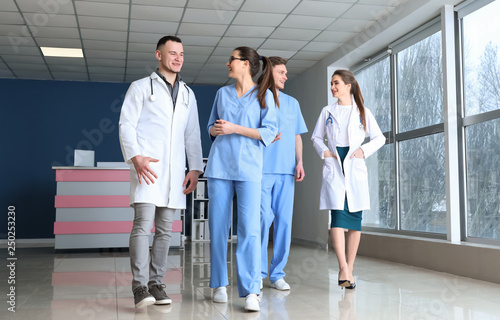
column 148, row 270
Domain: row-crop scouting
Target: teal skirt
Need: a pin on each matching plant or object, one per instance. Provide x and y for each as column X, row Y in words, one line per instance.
column 344, row 218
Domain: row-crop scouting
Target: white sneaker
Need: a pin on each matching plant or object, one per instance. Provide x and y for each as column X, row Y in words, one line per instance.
column 261, row 283
column 252, row 302
column 280, row 285
column 220, row 295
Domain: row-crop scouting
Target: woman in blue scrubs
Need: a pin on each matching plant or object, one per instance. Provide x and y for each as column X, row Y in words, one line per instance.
column 242, row 122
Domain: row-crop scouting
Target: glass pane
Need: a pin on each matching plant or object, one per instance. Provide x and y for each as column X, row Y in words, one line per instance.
column 382, row 189
column 482, row 59
column 375, row 83
column 420, row 84
column 483, row 179
column 422, row 183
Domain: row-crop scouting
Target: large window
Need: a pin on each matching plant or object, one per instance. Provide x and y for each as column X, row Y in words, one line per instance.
column 405, row 91
column 420, row 84
column 481, row 91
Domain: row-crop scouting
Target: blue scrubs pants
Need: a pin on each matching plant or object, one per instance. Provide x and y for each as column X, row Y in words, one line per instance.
column 276, row 205
column 220, row 193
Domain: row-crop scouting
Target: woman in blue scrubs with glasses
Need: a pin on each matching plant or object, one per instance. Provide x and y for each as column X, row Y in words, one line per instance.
column 241, row 124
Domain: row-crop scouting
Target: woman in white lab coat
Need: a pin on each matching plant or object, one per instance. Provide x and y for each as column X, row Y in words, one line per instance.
column 344, row 188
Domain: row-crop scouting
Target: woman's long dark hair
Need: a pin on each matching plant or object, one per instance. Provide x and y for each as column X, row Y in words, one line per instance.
column 348, row 78
column 266, row 79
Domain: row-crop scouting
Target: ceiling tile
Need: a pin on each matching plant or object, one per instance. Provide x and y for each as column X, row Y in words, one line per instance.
column 283, row 44
column 60, row 20
column 189, row 40
column 147, row 38
column 334, row 36
column 15, row 58
column 67, row 68
column 60, row 43
column 197, row 50
column 141, row 64
column 233, row 42
column 348, row 25
column 33, row 74
column 99, row 9
column 294, row 34
column 106, row 62
column 259, row 19
column 321, row 8
column 109, row 35
column 65, row 61
column 172, row 14
column 6, row 74
column 8, row 5
column 390, row 3
column 280, row 53
column 249, row 31
column 296, row 63
column 70, row 76
column 321, row 46
column 10, row 30
column 106, row 77
column 156, row 26
column 142, row 56
column 11, row 18
column 307, row 22
column 208, row 16
column 116, row 24
column 366, row 12
column 105, row 45
column 17, row 43
column 110, row 1
column 25, row 50
column 219, row 60
column 276, row 6
column 199, row 58
column 104, row 54
column 108, row 70
column 310, row 55
column 23, row 66
column 169, row 3
column 224, row 51
column 222, row 5
column 55, row 32
column 198, row 29
column 49, row 8
column 141, row 47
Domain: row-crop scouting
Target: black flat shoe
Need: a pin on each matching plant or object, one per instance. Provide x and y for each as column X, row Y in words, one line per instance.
column 352, row 285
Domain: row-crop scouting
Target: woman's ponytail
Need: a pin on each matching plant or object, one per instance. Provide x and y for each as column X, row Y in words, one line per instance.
column 266, row 81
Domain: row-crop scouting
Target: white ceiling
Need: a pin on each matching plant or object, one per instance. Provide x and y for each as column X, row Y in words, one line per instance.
column 118, row 37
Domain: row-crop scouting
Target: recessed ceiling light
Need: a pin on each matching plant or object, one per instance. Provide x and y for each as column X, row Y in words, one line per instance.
column 62, row 52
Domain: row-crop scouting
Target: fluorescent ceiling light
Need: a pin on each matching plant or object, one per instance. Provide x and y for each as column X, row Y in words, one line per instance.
column 62, row 52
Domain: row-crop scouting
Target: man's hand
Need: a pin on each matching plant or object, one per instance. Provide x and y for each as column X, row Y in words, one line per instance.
column 143, row 169
column 192, row 178
column 299, row 172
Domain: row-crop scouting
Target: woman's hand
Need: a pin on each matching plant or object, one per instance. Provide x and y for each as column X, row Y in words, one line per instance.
column 223, row 127
column 360, row 154
column 329, row 154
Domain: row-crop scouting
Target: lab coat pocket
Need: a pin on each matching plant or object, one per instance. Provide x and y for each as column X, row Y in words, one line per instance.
column 359, row 168
column 327, row 195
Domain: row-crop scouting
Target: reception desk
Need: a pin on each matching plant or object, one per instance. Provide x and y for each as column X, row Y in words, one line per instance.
column 92, row 209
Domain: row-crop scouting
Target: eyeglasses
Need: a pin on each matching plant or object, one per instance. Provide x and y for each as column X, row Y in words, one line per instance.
column 231, row 58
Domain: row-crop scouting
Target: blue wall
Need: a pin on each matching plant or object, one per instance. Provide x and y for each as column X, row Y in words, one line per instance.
column 43, row 122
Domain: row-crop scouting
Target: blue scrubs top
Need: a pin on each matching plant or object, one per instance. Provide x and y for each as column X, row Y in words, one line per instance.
column 279, row 157
column 233, row 156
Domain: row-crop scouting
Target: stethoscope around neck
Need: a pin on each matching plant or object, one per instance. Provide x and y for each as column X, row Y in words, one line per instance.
column 152, row 97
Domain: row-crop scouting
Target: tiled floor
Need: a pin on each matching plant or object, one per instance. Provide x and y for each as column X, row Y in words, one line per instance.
column 96, row 285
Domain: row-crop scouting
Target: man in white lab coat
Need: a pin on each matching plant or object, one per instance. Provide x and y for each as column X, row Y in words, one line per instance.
column 158, row 127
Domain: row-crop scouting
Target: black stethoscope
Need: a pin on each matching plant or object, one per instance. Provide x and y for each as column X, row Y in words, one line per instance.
column 152, row 97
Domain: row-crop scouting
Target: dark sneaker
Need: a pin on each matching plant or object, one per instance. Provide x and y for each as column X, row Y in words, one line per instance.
column 158, row 292
column 142, row 297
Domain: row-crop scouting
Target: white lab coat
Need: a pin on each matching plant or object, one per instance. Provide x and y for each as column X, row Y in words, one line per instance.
column 335, row 187
column 152, row 128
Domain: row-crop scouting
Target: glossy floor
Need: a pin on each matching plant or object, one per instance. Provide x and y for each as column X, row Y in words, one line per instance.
column 96, row 285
